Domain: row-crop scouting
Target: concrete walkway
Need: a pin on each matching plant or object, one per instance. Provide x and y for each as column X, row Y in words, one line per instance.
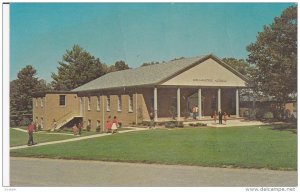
column 77, row 139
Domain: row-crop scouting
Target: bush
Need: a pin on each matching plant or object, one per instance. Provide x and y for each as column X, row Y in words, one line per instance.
column 98, row 128
column 120, row 125
column 268, row 115
column 88, row 128
column 39, row 127
column 173, row 124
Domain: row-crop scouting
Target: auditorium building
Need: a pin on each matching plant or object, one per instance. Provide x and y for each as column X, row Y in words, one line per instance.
column 167, row 89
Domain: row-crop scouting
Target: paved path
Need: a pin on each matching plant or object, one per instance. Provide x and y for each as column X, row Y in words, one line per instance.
column 76, row 139
column 72, row 173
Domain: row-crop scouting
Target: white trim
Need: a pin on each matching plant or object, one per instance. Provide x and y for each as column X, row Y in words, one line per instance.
column 199, row 103
column 89, row 104
column 130, row 103
column 237, row 102
column 98, row 103
column 155, row 104
column 219, row 99
column 178, row 104
column 119, row 103
column 107, row 103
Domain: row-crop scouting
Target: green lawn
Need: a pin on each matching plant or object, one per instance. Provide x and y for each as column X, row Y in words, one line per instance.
column 249, row 147
column 20, row 138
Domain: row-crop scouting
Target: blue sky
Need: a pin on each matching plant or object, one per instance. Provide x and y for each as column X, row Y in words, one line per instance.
column 40, row 33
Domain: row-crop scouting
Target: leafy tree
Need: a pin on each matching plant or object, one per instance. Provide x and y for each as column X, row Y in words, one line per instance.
column 238, row 64
column 21, row 91
column 274, row 56
column 118, row 66
column 150, row 63
column 77, row 68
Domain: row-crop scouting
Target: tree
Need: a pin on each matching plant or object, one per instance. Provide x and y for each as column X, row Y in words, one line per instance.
column 118, row 66
column 21, row 90
column 150, row 63
column 274, row 56
column 77, row 68
column 238, row 64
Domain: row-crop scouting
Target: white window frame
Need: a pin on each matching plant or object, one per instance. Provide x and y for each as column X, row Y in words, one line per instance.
column 89, row 103
column 119, row 102
column 130, row 103
column 98, row 103
column 108, row 103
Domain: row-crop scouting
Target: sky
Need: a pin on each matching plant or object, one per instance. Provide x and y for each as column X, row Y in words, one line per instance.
column 40, row 33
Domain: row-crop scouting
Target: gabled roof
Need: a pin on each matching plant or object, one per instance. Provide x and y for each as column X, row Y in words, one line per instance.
column 149, row 75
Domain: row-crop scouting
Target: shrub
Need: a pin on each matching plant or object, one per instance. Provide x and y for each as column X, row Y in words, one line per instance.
column 39, row 127
column 268, row 115
column 120, row 125
column 88, row 128
column 98, row 128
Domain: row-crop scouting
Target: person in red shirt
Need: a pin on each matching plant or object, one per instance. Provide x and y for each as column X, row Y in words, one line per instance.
column 108, row 124
column 30, row 130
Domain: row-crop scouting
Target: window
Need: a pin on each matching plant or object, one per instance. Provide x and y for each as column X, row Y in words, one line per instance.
column 214, row 103
column 98, row 123
column 42, row 102
column 89, row 122
column 119, row 103
column 62, row 100
column 108, row 103
column 98, row 103
column 89, row 103
column 130, row 103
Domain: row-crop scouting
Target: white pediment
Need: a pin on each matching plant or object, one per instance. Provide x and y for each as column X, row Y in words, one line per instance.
column 207, row 73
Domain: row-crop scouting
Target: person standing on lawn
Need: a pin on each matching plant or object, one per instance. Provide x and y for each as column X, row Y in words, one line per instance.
column 220, row 117
column 115, row 125
column 79, row 127
column 151, row 124
column 30, row 130
column 108, row 124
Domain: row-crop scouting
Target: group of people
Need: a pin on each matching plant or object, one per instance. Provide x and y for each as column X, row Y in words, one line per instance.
column 221, row 116
column 112, row 125
column 77, row 128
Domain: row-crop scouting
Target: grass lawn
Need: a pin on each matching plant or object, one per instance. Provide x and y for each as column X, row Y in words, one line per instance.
column 20, row 138
column 248, row 147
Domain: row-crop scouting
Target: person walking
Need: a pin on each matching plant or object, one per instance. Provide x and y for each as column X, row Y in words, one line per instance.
column 214, row 116
column 79, row 127
column 151, row 124
column 225, row 117
column 115, row 124
column 108, row 124
column 30, row 130
column 196, row 112
column 75, row 129
column 220, row 117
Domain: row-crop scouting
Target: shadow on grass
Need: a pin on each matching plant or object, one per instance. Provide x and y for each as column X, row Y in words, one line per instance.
column 292, row 127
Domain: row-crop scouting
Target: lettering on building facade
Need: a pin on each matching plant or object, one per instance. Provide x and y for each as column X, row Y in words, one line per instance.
column 210, row 80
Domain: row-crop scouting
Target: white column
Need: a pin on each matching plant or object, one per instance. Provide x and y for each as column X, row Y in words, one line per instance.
column 178, row 104
column 199, row 103
column 136, row 108
column 237, row 103
column 155, row 104
column 219, row 99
